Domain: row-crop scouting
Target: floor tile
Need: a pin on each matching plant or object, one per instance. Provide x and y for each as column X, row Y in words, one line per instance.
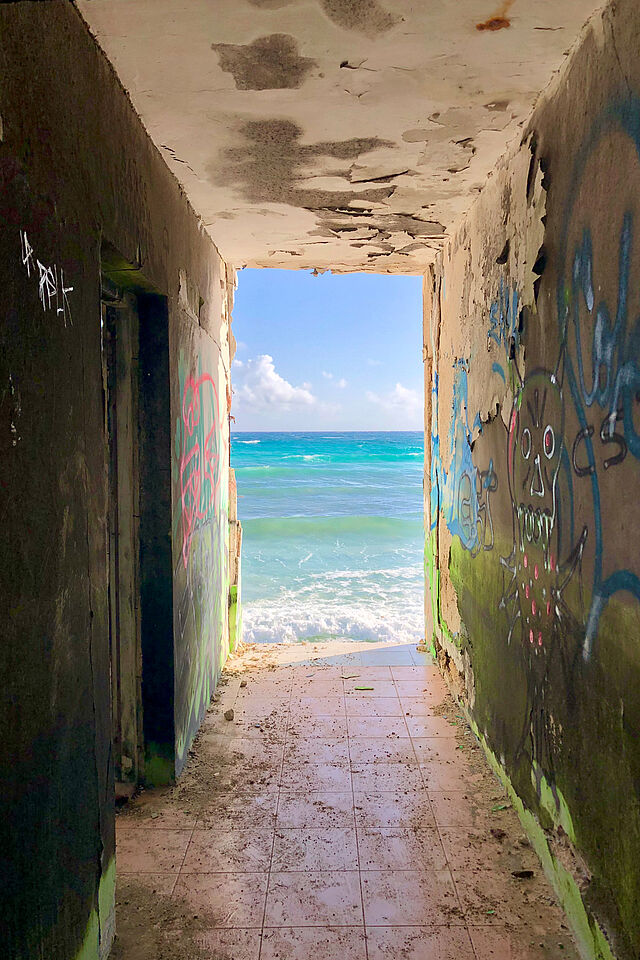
column 327, row 728
column 304, row 943
column 265, row 711
column 151, row 812
column 369, row 688
column 263, row 702
column 419, row 943
column 152, row 851
column 224, row 944
column 420, row 706
column 319, row 811
column 438, row 748
column 272, row 731
column 420, row 688
column 241, row 811
column 224, row 899
column 249, row 750
column 365, row 673
column 426, row 672
column 377, row 727
column 239, row 774
column 302, row 706
column 386, row 777
column 420, row 658
column 378, row 811
column 489, row 898
column 314, row 899
column 318, row 687
column 394, row 655
column 462, row 810
column 154, row 885
column 316, row 672
column 398, row 848
column 381, row 750
column 469, row 849
column 330, row 783
column 408, row 897
column 430, row 726
column 448, row 777
column 228, row 851
column 300, row 777
column 520, row 944
column 316, row 750
column 333, row 849
column 360, row 706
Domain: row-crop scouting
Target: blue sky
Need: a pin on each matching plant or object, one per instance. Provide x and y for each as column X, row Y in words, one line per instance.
column 332, row 352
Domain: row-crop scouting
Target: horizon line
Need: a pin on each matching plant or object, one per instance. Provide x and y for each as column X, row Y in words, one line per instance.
column 421, row 432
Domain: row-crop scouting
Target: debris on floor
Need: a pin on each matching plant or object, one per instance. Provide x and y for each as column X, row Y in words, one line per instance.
column 324, row 812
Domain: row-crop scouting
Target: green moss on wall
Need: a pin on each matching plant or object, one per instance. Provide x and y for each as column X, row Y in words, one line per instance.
column 592, row 943
column 586, row 776
column 159, row 765
column 98, row 937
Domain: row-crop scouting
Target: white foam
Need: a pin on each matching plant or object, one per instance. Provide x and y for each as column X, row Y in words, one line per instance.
column 293, row 617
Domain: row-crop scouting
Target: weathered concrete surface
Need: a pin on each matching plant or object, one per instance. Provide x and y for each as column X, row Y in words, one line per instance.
column 327, row 821
column 332, row 133
column 82, row 188
column 533, row 356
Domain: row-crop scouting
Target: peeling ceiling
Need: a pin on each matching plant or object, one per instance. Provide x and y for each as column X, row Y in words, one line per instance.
column 333, row 134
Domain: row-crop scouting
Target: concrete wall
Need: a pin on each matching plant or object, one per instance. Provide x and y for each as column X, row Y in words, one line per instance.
column 83, row 187
column 532, row 355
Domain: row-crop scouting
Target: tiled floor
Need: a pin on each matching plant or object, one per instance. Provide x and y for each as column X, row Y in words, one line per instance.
column 345, row 813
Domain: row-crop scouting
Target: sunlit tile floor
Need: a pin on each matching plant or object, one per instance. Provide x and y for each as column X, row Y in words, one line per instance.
column 344, row 813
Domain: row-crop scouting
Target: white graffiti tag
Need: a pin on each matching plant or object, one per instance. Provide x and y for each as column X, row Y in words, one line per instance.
column 52, row 293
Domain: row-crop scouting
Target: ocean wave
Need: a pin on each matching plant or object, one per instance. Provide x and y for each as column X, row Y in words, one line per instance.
column 290, row 621
column 329, row 528
column 245, row 441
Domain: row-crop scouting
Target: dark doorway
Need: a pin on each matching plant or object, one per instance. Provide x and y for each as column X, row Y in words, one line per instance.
column 120, row 328
column 136, row 376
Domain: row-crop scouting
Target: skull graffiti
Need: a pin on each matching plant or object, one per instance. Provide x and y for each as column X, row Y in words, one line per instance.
column 534, row 454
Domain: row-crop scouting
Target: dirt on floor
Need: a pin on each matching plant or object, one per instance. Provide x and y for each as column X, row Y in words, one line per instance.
column 156, row 922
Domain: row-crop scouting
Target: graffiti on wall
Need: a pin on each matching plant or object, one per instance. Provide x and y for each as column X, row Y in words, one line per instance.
column 200, row 459
column 462, row 492
column 504, row 325
column 52, row 291
column 572, row 436
column 601, row 347
column 538, row 568
column 201, row 524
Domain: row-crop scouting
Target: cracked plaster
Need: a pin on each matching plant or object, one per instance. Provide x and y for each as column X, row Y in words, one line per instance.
column 289, row 121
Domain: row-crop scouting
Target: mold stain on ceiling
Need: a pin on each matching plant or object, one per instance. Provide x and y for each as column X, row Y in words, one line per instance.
column 333, row 134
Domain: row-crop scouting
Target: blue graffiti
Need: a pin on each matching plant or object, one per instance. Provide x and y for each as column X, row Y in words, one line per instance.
column 503, row 324
column 615, row 372
column 462, row 492
column 611, row 382
column 497, row 368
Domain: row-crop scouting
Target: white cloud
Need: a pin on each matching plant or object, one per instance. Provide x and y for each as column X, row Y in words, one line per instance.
column 327, row 376
column 374, row 363
column 258, row 385
column 403, row 401
column 341, row 383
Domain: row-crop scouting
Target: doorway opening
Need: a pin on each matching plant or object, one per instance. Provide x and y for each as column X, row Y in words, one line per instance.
column 120, row 339
column 137, row 403
column 328, row 450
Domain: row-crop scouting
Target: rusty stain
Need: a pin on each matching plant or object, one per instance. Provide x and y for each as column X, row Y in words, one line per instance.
column 499, row 20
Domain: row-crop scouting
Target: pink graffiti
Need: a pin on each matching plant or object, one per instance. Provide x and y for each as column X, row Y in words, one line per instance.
column 200, row 461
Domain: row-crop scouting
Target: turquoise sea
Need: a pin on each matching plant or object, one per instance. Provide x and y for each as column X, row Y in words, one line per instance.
column 332, row 535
